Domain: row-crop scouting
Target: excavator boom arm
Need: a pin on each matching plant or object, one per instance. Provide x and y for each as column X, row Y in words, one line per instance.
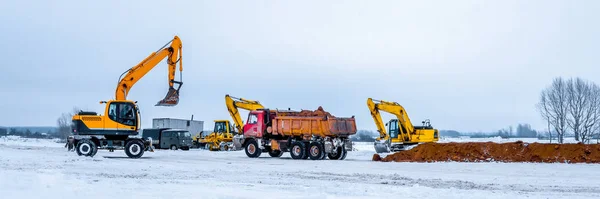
column 173, row 54
column 233, row 105
column 377, row 118
column 394, row 108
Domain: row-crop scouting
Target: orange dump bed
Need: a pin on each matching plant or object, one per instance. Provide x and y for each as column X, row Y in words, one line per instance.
column 311, row 125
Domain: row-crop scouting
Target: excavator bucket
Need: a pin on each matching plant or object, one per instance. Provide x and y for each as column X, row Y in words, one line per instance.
column 382, row 146
column 171, row 99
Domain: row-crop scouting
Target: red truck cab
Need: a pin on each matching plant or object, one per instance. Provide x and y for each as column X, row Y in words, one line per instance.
column 255, row 124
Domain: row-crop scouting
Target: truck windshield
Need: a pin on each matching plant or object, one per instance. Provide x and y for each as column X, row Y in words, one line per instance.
column 252, row 119
column 220, row 127
column 185, row 134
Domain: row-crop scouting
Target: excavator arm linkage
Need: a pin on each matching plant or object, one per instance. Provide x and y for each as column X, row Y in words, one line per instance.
column 172, row 51
column 233, row 103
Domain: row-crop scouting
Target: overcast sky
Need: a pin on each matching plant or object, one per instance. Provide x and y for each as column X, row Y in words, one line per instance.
column 466, row 65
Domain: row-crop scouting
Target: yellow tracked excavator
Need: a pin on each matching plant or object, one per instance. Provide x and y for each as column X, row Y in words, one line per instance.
column 401, row 133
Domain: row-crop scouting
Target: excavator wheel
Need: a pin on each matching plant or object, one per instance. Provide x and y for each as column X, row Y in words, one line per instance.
column 315, row 151
column 134, row 149
column 298, row 150
column 86, row 147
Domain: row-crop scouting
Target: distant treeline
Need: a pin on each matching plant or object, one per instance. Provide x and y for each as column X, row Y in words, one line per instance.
column 521, row 131
column 26, row 133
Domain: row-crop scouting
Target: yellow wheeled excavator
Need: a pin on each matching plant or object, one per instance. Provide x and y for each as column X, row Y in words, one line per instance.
column 121, row 117
column 401, row 133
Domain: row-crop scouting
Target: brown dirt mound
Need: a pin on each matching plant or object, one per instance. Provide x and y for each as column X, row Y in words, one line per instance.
column 497, row 152
column 308, row 113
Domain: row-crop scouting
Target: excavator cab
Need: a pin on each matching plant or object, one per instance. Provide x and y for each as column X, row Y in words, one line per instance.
column 172, row 97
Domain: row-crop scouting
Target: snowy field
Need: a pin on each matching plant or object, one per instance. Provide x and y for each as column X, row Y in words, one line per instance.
column 44, row 169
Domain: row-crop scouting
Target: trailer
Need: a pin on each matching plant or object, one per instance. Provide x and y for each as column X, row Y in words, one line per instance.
column 303, row 135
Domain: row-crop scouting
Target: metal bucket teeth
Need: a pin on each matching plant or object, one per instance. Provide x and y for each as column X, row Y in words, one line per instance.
column 381, row 147
column 171, row 99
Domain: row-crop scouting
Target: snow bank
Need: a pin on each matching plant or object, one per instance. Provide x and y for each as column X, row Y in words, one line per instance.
column 30, row 142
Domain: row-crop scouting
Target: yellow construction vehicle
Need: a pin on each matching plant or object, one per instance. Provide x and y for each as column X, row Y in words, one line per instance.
column 233, row 104
column 220, row 139
column 121, row 117
column 401, row 131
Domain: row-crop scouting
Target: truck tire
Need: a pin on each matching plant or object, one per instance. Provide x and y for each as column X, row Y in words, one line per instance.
column 134, row 149
column 275, row 153
column 173, row 147
column 85, row 147
column 298, row 150
column 315, row 151
column 338, row 154
column 252, row 150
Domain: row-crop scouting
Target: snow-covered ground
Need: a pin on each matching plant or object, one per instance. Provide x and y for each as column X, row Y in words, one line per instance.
column 44, row 169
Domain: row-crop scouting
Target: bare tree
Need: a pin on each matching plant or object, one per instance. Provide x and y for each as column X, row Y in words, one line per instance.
column 64, row 123
column 554, row 106
column 578, row 92
column 591, row 113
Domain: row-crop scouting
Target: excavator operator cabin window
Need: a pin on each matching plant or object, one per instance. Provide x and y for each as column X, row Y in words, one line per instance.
column 394, row 128
column 126, row 114
column 252, row 119
column 220, row 127
column 112, row 112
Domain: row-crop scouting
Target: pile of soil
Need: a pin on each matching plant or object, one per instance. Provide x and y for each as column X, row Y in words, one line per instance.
column 308, row 113
column 497, row 152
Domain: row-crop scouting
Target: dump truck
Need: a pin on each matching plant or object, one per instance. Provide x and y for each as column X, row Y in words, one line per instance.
column 167, row 138
column 305, row 134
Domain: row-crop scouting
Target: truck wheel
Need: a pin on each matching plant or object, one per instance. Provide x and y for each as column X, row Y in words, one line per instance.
column 315, row 151
column 344, row 153
column 85, row 147
column 252, row 149
column 173, row 147
column 275, row 153
column 298, row 150
column 338, row 154
column 134, row 149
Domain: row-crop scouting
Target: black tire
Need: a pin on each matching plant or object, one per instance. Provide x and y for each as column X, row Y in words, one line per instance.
column 298, row 150
column 275, row 153
column 252, row 150
column 337, row 154
column 173, row 147
column 315, row 151
column 86, row 147
column 134, row 149
column 187, row 148
column 344, row 153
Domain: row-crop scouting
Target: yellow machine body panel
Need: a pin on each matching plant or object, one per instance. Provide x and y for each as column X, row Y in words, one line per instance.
column 121, row 117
